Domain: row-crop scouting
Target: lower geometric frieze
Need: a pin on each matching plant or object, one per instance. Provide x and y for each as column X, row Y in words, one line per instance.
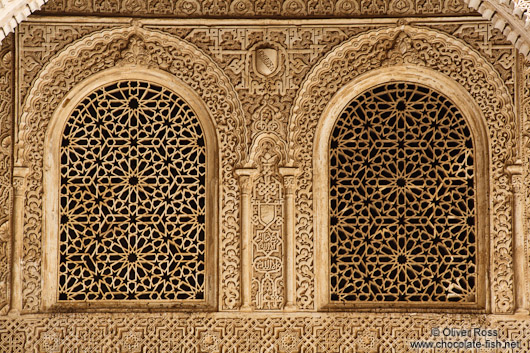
column 257, row 333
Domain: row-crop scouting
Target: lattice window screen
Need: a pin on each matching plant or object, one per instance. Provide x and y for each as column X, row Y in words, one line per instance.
column 132, row 197
column 402, row 199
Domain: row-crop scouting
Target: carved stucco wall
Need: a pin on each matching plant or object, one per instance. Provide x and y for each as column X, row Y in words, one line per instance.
column 511, row 17
column 6, row 184
column 315, row 60
column 158, row 51
column 405, row 46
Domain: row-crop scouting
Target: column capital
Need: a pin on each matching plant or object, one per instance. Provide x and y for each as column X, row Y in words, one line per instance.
column 246, row 171
column 517, row 184
column 289, row 171
column 289, row 178
column 515, row 171
column 19, row 179
column 246, row 176
column 515, row 168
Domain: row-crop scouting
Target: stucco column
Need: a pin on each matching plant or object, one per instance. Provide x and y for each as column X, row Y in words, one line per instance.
column 19, row 186
column 246, row 179
column 289, row 183
column 518, row 241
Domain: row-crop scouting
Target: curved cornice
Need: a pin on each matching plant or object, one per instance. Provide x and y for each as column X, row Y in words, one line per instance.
column 512, row 17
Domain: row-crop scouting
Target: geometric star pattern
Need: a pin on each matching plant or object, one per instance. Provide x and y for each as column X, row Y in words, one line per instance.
column 132, row 197
column 402, row 199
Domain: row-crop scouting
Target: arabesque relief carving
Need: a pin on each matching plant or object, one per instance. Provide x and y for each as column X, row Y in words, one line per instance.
column 367, row 333
column 491, row 44
column 151, row 50
column 409, row 46
column 6, row 167
column 38, row 43
column 268, row 107
column 262, row 8
column 265, row 87
column 268, row 238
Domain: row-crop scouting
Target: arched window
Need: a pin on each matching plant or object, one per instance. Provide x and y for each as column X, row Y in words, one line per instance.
column 135, row 205
column 403, row 207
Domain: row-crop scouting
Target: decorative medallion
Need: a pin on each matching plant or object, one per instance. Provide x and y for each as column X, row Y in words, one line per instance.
column 266, row 61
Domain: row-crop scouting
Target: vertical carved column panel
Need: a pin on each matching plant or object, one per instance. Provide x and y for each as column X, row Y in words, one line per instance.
column 245, row 184
column 267, row 223
column 519, row 262
column 19, row 186
column 289, row 183
column 524, row 79
column 6, row 190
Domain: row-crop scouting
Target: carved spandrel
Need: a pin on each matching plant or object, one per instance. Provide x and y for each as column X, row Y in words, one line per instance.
column 491, row 43
column 39, row 42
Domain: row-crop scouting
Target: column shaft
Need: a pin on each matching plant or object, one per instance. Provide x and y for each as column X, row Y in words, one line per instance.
column 289, row 181
column 19, row 174
column 518, row 240
column 245, row 182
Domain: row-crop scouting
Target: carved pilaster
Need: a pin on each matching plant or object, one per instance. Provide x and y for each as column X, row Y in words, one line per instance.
column 19, row 187
column 519, row 263
column 289, row 184
column 268, row 249
column 246, row 176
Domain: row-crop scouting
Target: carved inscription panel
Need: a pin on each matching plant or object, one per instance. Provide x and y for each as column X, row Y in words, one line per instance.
column 268, row 237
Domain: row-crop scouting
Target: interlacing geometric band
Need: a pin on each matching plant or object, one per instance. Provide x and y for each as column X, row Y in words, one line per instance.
column 132, row 197
column 402, row 199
